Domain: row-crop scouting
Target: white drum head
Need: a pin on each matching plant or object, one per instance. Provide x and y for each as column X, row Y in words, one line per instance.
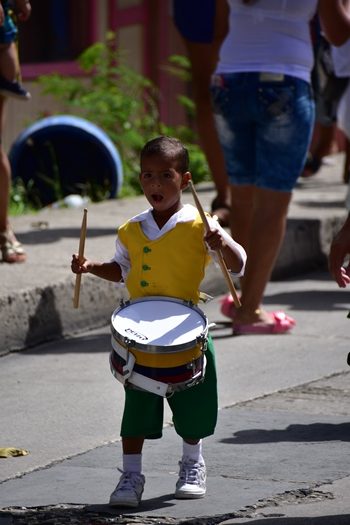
column 159, row 322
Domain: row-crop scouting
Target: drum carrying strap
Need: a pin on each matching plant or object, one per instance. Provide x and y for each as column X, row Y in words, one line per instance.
column 140, row 381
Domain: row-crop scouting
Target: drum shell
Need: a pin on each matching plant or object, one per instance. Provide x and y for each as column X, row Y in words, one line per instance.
column 172, row 375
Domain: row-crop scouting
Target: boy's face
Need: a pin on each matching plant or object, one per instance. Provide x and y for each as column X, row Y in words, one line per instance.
column 161, row 182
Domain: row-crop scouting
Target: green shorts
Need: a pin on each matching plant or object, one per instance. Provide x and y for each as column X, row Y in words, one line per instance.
column 194, row 410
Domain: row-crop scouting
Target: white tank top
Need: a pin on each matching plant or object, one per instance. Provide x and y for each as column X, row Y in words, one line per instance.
column 269, row 35
column 341, row 59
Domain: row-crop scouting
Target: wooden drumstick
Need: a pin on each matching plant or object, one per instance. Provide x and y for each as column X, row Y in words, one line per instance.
column 222, row 263
column 81, row 254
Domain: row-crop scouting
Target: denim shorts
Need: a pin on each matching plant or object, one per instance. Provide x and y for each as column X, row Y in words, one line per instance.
column 264, row 123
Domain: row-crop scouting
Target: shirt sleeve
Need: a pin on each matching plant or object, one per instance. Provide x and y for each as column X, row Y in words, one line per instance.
column 235, row 247
column 121, row 256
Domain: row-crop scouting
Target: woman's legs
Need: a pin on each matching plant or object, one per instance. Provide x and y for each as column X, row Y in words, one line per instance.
column 265, row 140
column 11, row 250
column 201, row 75
column 204, row 58
column 8, row 61
column 258, row 223
column 5, row 174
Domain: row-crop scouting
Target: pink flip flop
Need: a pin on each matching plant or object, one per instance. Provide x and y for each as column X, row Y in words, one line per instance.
column 282, row 323
column 228, row 308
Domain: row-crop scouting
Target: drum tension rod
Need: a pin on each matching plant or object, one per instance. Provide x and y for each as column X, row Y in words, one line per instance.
column 201, row 339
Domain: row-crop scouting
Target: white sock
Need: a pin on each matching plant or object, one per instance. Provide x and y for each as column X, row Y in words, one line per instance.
column 132, row 463
column 193, row 452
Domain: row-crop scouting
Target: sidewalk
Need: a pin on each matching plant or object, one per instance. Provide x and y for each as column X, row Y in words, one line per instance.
column 278, row 455
column 36, row 298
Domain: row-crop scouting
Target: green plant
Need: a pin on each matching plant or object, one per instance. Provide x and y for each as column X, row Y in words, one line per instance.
column 124, row 104
column 19, row 203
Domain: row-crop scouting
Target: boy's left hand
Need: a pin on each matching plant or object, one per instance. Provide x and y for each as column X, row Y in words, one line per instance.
column 214, row 239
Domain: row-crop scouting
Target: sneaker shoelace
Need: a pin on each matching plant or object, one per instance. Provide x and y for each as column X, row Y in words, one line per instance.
column 128, row 480
column 189, row 472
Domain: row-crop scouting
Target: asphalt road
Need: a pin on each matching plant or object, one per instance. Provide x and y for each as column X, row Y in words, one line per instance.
column 280, row 452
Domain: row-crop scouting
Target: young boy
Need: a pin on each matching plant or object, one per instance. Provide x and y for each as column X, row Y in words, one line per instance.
column 176, row 242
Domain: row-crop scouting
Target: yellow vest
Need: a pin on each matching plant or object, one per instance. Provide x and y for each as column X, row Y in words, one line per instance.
column 173, row 265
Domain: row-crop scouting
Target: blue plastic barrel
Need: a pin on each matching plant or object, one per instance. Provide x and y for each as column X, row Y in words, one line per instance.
column 67, row 154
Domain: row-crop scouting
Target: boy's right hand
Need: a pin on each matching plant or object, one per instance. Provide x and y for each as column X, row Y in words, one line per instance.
column 79, row 265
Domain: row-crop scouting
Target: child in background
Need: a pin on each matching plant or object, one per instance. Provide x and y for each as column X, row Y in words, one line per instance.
column 9, row 65
column 11, row 249
column 176, row 236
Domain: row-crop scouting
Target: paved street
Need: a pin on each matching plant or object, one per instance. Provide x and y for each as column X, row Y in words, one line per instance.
column 282, row 442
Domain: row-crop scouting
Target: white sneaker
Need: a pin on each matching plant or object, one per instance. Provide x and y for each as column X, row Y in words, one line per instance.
column 129, row 490
column 192, row 478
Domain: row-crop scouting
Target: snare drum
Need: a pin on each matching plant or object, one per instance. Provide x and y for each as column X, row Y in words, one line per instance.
column 158, row 344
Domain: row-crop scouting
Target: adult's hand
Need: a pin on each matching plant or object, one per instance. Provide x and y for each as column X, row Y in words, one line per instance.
column 340, row 250
column 335, row 20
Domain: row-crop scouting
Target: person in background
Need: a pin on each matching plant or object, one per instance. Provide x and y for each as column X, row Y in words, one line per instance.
column 339, row 254
column 203, row 25
column 177, row 252
column 264, row 110
column 9, row 64
column 333, row 72
column 341, row 59
column 11, row 250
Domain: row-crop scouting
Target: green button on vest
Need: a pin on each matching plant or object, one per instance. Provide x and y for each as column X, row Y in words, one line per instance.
column 144, row 283
column 146, row 249
column 146, row 267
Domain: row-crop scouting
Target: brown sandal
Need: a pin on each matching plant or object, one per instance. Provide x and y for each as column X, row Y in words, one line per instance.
column 11, row 250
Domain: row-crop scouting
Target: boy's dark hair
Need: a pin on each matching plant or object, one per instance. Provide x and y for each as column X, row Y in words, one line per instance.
column 170, row 148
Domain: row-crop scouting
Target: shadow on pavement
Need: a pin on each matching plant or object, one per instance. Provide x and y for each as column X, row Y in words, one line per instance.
column 92, row 343
column 317, row 300
column 145, row 505
column 293, row 433
column 45, row 321
column 51, row 235
column 340, row 519
column 221, row 330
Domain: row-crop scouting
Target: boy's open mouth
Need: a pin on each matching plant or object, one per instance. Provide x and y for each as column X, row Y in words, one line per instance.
column 157, row 197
